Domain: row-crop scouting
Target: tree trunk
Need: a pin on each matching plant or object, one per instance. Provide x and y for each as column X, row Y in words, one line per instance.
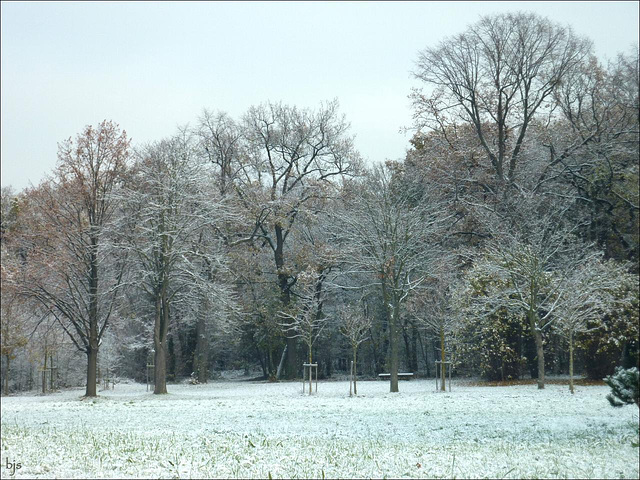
column 6, row 375
column 355, row 371
column 160, row 370
column 202, row 347
column 537, row 336
column 393, row 361
column 442, row 358
column 377, row 348
column 425, row 354
column 94, row 343
column 160, row 340
column 51, row 375
column 414, row 348
column 281, row 364
column 407, row 343
column 310, row 344
column 291, row 364
column 571, row 362
column 92, row 369
column 262, row 360
column 393, row 339
column 44, row 371
column 540, row 354
column 291, row 359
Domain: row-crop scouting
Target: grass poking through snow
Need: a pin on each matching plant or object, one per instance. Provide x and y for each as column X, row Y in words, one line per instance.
column 244, row 430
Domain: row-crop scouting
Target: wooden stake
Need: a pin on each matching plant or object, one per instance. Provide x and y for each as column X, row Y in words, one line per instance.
column 350, row 378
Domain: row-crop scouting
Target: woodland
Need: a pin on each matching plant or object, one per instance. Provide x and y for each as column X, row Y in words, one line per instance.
column 505, row 242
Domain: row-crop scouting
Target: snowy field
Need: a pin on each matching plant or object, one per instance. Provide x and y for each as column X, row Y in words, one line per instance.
column 243, row 429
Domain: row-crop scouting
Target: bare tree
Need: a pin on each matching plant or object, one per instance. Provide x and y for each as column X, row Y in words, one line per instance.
column 581, row 146
column 529, row 259
column 13, row 317
column 498, row 76
column 167, row 212
column 431, row 305
column 307, row 320
column 71, row 271
column 592, row 148
column 355, row 325
column 294, row 157
column 389, row 232
column 590, row 293
column 221, row 141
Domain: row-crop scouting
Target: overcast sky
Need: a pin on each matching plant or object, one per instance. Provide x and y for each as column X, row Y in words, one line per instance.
column 154, row 66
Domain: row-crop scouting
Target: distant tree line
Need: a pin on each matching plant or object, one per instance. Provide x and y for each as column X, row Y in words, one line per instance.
column 506, row 242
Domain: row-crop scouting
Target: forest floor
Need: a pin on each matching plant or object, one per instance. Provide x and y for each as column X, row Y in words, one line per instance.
column 236, row 429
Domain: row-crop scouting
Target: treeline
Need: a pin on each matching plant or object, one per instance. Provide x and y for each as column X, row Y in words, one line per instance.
column 506, row 242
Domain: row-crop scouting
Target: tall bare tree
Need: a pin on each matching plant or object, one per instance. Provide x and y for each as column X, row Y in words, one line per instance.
column 221, row 142
column 391, row 233
column 167, row 214
column 498, row 76
column 70, row 270
column 294, row 158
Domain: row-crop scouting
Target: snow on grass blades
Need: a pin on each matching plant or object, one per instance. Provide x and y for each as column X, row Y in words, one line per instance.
column 262, row 430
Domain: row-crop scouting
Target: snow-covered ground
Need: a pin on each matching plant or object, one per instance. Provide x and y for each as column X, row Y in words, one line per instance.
column 242, row 429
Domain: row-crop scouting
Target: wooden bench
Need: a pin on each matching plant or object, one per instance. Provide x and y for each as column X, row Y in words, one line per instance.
column 401, row 376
